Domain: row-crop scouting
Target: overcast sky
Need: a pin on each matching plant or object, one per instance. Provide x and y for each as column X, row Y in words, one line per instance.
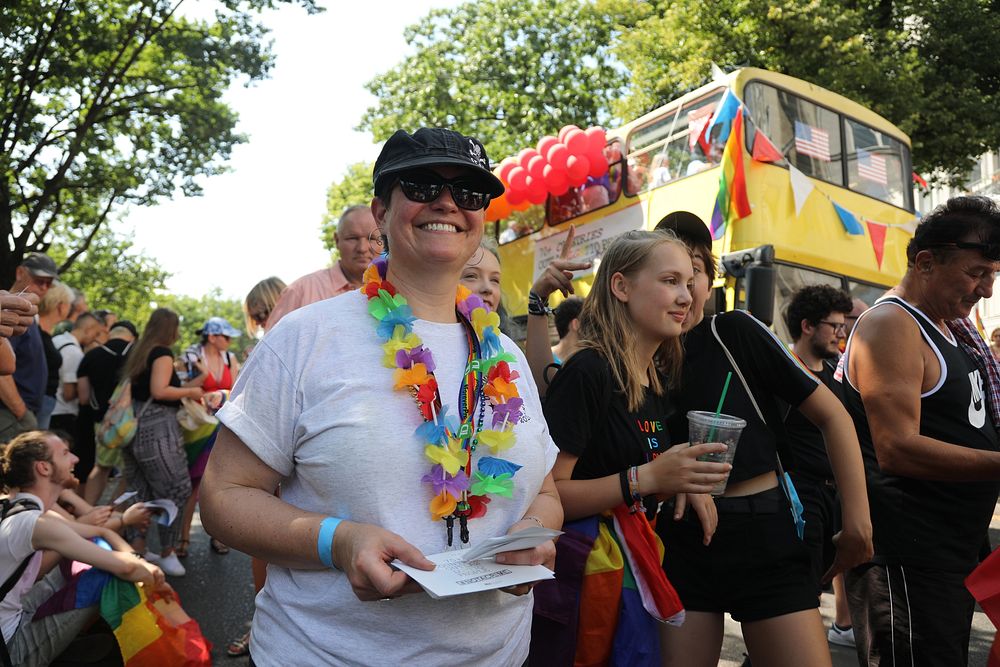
column 263, row 218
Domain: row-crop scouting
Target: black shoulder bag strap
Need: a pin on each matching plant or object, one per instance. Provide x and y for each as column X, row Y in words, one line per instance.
column 7, row 507
column 783, row 479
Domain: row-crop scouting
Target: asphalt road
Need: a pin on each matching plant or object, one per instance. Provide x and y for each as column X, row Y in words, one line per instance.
column 218, row 592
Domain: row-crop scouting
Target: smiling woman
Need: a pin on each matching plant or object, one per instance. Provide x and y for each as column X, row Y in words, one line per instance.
column 399, row 422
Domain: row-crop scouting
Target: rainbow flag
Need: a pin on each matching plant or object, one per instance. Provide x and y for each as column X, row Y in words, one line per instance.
column 150, row 633
column 154, row 632
column 731, row 204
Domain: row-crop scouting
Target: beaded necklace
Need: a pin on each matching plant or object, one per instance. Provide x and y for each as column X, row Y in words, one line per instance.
column 459, row 492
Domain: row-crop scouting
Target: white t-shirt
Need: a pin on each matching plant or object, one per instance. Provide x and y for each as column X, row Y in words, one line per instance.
column 72, row 355
column 15, row 546
column 316, row 404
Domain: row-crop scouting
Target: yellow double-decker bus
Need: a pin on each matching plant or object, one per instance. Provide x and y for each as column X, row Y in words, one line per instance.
column 663, row 165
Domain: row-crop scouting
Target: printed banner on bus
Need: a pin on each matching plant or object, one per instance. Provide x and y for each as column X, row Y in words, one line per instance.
column 591, row 239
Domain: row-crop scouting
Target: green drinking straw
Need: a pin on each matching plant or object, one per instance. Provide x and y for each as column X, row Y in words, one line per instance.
column 718, row 408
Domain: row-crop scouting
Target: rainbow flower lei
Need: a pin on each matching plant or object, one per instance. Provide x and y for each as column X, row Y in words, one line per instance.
column 448, row 444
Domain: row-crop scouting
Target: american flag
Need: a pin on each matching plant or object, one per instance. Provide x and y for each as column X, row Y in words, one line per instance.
column 812, row 141
column 872, row 167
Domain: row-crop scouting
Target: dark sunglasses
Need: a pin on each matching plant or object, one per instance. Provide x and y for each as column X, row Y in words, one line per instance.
column 426, row 186
column 990, row 251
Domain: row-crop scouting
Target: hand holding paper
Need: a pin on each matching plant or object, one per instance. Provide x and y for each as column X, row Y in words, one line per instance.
column 364, row 551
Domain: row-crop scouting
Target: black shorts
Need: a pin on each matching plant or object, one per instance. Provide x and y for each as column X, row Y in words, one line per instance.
column 904, row 615
column 755, row 568
column 821, row 510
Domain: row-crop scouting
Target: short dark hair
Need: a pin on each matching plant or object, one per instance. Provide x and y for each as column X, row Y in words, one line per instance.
column 813, row 303
column 955, row 220
column 565, row 313
column 82, row 320
column 17, row 461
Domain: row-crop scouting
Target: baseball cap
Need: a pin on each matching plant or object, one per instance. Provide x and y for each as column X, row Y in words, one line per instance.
column 218, row 326
column 41, row 265
column 433, row 146
column 688, row 227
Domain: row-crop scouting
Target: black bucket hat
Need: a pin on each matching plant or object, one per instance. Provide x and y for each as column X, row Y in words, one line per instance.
column 432, row 146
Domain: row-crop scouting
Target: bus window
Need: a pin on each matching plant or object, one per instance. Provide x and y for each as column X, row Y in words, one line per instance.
column 788, row 279
column 521, row 223
column 595, row 193
column 669, row 147
column 807, row 134
column 876, row 165
column 865, row 291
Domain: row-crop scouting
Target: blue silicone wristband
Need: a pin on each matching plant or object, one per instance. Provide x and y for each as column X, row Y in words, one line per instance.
column 324, row 543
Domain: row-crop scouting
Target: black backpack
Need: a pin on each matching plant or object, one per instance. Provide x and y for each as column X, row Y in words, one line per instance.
column 9, row 507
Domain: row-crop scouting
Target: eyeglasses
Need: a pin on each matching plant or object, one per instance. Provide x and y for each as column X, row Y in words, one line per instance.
column 426, row 186
column 990, row 251
column 838, row 327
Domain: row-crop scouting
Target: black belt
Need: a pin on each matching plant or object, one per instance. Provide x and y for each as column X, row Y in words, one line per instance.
column 765, row 502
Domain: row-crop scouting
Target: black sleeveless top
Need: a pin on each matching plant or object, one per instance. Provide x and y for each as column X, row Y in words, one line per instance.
column 925, row 523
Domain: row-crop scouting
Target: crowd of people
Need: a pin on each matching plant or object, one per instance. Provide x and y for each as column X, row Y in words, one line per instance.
column 385, row 414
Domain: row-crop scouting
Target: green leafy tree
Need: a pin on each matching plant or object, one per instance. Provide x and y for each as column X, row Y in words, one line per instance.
column 354, row 188
column 195, row 311
column 113, row 275
column 506, row 71
column 919, row 64
column 111, row 102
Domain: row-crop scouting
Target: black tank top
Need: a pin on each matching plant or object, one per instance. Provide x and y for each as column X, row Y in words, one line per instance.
column 925, row 523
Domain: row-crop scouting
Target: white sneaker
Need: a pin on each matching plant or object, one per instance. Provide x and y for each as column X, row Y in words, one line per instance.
column 172, row 566
column 151, row 557
column 837, row 635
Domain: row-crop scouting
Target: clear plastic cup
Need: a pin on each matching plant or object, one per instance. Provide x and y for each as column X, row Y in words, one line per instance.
column 710, row 427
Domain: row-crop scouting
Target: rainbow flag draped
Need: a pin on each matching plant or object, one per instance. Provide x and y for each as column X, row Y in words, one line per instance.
column 154, row 632
column 609, row 594
column 731, row 204
column 150, row 633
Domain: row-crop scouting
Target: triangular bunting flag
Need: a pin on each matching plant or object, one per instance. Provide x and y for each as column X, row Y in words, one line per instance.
column 877, row 233
column 802, row 187
column 850, row 222
column 764, row 150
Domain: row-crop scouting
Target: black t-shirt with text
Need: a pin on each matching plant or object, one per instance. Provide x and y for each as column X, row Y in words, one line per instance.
column 588, row 417
column 770, row 370
column 102, row 368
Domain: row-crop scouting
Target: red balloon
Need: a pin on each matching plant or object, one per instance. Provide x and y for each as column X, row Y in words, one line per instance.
column 576, row 142
column 517, row 178
column 577, row 169
column 566, row 129
column 536, row 191
column 555, row 180
column 545, row 144
column 598, row 164
column 536, row 167
column 557, row 156
column 515, row 197
column 524, row 157
column 505, row 167
column 596, row 138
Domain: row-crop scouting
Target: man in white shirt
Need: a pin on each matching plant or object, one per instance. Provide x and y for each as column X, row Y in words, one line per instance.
column 35, row 466
column 70, row 346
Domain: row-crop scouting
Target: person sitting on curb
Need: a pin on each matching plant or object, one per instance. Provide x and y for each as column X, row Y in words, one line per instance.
column 34, row 468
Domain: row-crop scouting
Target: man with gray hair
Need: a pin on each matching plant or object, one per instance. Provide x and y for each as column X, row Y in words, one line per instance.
column 358, row 240
column 924, row 392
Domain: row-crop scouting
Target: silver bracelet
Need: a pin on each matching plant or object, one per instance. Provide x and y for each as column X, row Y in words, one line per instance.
column 532, row 517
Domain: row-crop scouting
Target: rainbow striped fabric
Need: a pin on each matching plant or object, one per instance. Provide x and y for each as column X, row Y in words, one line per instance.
column 731, row 204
